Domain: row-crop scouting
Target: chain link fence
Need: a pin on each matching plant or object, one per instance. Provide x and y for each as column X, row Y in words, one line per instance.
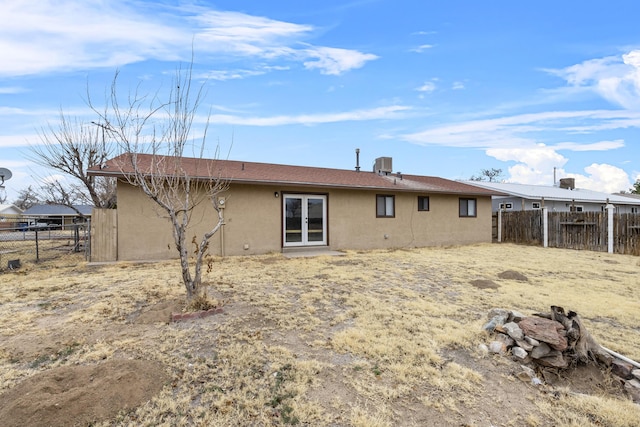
column 24, row 242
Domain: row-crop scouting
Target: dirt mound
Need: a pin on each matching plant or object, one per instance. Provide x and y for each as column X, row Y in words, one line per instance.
column 513, row 275
column 80, row 395
column 158, row 313
column 485, row 284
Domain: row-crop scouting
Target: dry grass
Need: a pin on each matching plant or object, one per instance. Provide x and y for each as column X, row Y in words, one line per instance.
column 374, row 338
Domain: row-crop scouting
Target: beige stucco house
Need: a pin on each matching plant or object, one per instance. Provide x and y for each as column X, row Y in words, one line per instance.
column 276, row 208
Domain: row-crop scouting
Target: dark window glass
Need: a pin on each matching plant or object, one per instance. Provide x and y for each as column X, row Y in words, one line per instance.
column 385, row 206
column 423, row 203
column 468, row 208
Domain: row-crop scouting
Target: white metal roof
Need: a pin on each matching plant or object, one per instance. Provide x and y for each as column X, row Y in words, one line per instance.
column 551, row 193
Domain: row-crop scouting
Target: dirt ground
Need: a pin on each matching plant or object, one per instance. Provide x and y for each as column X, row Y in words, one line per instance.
column 380, row 338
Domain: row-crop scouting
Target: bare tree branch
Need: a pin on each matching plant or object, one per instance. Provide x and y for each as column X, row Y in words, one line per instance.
column 154, row 134
column 71, row 147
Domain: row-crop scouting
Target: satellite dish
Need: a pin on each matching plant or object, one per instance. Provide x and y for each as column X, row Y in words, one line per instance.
column 5, row 174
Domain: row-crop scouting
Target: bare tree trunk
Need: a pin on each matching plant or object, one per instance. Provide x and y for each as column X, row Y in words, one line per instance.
column 145, row 128
column 580, row 342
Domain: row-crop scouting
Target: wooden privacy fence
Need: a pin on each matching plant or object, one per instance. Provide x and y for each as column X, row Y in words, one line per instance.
column 572, row 230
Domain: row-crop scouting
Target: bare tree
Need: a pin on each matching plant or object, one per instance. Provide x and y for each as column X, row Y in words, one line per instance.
column 491, row 175
column 154, row 136
column 71, row 147
column 26, row 198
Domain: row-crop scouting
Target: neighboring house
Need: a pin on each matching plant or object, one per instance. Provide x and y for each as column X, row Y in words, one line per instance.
column 274, row 208
column 56, row 215
column 564, row 198
column 9, row 217
column 630, row 195
column 9, row 210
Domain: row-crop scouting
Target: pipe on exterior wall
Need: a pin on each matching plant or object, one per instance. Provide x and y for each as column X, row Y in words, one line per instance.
column 222, row 234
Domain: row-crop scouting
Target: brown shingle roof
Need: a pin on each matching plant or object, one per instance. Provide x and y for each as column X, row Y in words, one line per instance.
column 269, row 173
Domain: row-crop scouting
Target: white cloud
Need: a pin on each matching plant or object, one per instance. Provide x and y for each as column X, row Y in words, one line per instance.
column 427, row 87
column 596, row 146
column 615, row 78
column 523, row 129
column 457, row 85
column 223, row 75
column 603, row 177
column 380, row 113
column 10, row 90
column 334, row 61
column 40, row 36
column 422, row 48
column 535, row 163
column 515, row 139
column 541, row 164
column 7, row 141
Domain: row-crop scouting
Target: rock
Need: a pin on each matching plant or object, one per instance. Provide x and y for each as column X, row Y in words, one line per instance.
column 528, row 370
column 515, row 316
column 545, row 330
column 498, row 312
column 622, row 369
column 553, row 360
column 636, row 373
column 632, row 387
column 524, row 344
column 483, row 349
column 634, row 383
column 519, row 353
column 506, row 339
column 540, row 351
column 497, row 317
column 513, row 330
column 497, row 347
column 495, row 321
column 531, row 341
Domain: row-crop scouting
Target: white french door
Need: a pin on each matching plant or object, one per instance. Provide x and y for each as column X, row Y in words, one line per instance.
column 304, row 220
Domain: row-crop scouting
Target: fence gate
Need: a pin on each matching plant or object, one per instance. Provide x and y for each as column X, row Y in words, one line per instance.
column 104, row 235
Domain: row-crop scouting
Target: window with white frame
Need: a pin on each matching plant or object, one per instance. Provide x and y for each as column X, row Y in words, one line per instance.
column 535, row 205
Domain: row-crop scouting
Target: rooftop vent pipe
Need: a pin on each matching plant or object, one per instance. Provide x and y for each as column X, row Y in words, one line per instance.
column 357, row 160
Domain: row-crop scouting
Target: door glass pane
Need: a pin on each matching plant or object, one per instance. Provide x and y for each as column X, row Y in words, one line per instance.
column 315, row 222
column 293, row 220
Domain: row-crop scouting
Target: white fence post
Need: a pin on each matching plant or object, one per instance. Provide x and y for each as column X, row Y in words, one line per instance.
column 610, row 209
column 499, row 225
column 545, row 227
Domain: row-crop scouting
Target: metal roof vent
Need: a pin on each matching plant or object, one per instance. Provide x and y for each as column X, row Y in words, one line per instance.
column 383, row 166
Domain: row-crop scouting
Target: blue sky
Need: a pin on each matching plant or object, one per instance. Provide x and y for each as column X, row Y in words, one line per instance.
column 445, row 88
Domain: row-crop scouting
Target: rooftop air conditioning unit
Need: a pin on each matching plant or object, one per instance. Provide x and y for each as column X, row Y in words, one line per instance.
column 383, row 166
column 568, row 183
